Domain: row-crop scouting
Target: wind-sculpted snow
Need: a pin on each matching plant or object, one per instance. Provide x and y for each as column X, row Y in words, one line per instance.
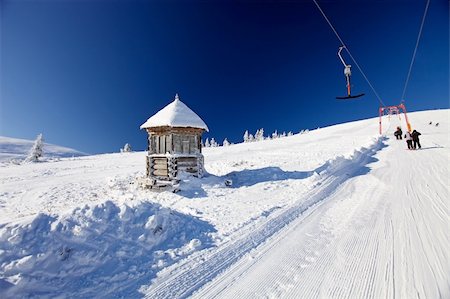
column 103, row 249
column 360, row 157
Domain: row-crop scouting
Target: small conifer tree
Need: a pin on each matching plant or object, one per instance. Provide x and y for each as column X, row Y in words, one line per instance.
column 259, row 135
column 126, row 148
column 246, row 136
column 214, row 143
column 37, row 150
column 275, row 134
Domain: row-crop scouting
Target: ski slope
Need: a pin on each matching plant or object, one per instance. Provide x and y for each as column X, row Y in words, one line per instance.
column 380, row 235
column 338, row 212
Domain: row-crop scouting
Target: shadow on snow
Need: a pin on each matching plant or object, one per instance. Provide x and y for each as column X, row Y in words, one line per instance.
column 353, row 166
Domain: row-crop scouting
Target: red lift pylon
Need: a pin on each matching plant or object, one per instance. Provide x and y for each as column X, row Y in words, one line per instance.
column 390, row 110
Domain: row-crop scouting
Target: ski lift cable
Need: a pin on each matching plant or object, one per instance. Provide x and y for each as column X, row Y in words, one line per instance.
column 415, row 50
column 348, row 51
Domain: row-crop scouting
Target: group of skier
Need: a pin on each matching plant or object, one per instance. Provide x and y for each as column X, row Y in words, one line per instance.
column 412, row 138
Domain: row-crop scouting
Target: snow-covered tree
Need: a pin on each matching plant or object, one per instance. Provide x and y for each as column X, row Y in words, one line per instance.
column 126, row 148
column 207, row 144
column 251, row 138
column 259, row 135
column 37, row 150
column 226, row 142
column 275, row 134
column 283, row 134
column 246, row 136
column 290, row 133
column 214, row 143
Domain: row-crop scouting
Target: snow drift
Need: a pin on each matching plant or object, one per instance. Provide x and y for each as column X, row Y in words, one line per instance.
column 103, row 249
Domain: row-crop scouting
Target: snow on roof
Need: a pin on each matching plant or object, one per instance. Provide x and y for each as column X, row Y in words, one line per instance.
column 176, row 114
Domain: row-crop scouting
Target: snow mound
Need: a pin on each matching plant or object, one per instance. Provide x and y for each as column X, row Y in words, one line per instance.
column 104, row 249
column 17, row 149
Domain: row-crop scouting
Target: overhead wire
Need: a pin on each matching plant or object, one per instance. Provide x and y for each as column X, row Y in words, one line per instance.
column 415, row 51
column 350, row 54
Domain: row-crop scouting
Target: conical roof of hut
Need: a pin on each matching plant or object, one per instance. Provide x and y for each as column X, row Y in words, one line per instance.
column 176, row 114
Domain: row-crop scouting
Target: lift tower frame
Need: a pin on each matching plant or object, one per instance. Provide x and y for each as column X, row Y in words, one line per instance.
column 391, row 110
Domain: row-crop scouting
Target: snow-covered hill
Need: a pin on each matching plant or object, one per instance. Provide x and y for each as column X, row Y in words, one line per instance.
column 18, row 149
column 337, row 212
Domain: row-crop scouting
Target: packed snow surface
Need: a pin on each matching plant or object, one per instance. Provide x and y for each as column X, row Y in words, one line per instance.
column 338, row 212
column 176, row 114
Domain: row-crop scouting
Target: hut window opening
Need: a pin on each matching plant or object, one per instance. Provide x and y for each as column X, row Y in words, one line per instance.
column 169, row 143
column 162, row 144
column 177, row 143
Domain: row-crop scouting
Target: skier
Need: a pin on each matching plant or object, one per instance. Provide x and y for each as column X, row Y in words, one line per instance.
column 398, row 133
column 415, row 137
column 409, row 140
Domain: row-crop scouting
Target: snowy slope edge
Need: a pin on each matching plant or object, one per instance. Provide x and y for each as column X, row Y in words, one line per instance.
column 15, row 148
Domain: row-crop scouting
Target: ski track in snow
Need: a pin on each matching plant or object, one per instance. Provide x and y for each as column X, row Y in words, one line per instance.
column 335, row 213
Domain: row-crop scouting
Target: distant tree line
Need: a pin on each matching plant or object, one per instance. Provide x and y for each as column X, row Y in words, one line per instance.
column 248, row 137
column 213, row 143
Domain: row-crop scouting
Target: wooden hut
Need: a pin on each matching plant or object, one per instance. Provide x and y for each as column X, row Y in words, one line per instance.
column 174, row 144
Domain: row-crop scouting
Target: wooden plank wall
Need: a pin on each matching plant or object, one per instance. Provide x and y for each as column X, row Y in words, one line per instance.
column 173, row 140
column 159, row 166
column 188, row 164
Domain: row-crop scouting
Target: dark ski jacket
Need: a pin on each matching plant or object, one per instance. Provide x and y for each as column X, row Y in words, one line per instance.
column 415, row 135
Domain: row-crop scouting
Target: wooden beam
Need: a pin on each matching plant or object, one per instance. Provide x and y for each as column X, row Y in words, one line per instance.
column 160, row 172
column 160, row 166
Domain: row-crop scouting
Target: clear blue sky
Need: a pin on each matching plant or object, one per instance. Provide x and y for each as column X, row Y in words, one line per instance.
column 87, row 74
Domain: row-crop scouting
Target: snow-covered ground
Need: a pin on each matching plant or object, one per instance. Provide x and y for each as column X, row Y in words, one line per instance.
column 338, row 212
column 16, row 150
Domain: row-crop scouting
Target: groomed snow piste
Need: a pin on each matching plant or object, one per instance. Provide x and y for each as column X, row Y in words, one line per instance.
column 338, row 212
